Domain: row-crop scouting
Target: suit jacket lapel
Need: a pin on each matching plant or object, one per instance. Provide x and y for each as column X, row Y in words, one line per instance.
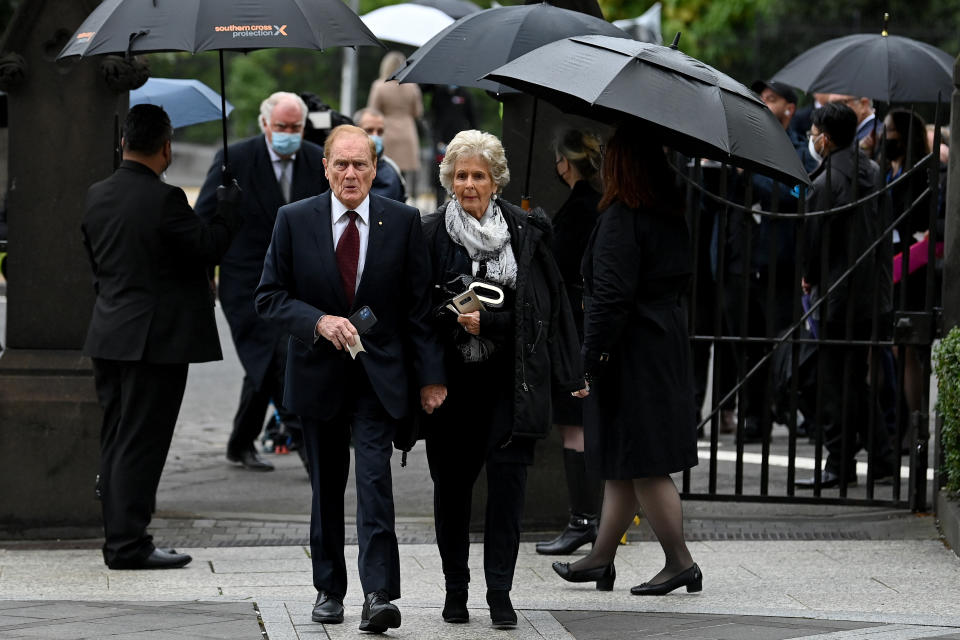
column 269, row 192
column 303, row 178
column 374, row 245
column 328, row 259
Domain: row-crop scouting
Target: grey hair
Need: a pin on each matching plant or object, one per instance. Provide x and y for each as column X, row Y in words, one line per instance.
column 267, row 106
column 475, row 144
column 376, row 113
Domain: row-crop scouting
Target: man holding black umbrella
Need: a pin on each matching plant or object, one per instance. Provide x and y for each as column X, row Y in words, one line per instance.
column 275, row 168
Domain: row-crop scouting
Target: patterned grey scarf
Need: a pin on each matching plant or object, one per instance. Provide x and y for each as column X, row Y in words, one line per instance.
column 487, row 244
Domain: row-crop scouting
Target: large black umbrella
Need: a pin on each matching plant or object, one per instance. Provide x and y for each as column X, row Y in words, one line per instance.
column 878, row 66
column 480, row 42
column 697, row 109
column 454, row 8
column 147, row 26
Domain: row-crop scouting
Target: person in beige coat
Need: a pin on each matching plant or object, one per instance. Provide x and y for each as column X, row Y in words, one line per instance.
column 400, row 104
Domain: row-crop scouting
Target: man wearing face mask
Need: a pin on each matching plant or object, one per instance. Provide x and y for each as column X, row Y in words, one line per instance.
column 837, row 240
column 275, row 168
column 153, row 314
column 388, row 182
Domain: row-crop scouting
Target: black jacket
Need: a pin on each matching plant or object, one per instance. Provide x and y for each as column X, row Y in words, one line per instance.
column 541, row 325
column 241, row 267
column 850, row 233
column 149, row 255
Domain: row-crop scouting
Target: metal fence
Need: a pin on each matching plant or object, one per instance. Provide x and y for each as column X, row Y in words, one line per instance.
column 808, row 372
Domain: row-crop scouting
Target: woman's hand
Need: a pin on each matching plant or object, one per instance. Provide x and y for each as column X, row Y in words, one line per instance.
column 470, row 322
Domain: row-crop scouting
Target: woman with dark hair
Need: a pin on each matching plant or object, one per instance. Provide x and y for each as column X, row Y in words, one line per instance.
column 638, row 424
column 578, row 155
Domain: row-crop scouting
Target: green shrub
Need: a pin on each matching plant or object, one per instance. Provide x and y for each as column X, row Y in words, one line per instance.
column 946, row 364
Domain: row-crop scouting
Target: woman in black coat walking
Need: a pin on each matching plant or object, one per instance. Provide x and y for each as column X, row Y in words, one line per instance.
column 500, row 363
column 639, row 427
column 578, row 155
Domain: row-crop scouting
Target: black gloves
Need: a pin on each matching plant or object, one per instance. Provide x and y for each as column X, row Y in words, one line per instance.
column 231, row 194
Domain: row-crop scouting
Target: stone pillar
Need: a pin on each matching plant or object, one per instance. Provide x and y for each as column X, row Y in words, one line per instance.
column 61, row 138
column 951, row 245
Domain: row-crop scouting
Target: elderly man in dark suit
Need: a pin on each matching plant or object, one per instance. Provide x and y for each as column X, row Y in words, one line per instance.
column 273, row 169
column 153, row 315
column 331, row 256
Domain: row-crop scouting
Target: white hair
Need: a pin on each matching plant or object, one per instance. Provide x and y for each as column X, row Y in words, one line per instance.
column 475, row 144
column 267, row 106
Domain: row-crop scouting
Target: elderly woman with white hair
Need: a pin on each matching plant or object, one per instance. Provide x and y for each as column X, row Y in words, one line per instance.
column 501, row 362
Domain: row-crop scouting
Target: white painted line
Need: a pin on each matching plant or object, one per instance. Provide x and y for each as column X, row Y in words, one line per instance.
column 784, row 461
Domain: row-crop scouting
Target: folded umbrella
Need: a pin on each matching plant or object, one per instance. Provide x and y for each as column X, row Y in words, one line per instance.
column 185, row 101
column 695, row 108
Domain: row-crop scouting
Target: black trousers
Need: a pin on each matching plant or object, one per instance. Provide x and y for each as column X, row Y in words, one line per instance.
column 847, row 427
column 470, row 430
column 327, row 445
column 254, row 401
column 140, row 402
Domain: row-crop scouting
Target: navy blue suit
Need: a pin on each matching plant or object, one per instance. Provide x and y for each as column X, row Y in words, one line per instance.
column 334, row 394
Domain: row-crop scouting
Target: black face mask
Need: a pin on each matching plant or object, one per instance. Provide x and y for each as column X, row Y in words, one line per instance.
column 892, row 148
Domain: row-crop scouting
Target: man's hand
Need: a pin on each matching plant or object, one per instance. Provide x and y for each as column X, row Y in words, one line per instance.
column 230, row 193
column 582, row 393
column 470, row 322
column 432, row 396
column 337, row 330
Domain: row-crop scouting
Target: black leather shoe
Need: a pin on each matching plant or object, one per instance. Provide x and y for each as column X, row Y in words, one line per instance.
column 158, row 559
column 379, row 614
column 828, row 480
column 603, row 575
column 692, row 579
column 250, row 459
column 455, row 607
column 502, row 614
column 328, row 609
column 581, row 530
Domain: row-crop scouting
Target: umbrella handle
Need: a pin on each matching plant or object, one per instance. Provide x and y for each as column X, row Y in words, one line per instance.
column 525, row 198
column 223, row 119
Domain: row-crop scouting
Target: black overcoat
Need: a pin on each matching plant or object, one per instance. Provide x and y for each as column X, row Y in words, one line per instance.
column 241, row 267
column 638, row 419
column 545, row 346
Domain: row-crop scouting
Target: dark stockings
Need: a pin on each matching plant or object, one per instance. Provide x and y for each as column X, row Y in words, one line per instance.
column 660, row 502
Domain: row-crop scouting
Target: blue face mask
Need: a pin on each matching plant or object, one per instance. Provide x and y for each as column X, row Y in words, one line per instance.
column 285, row 144
column 378, row 142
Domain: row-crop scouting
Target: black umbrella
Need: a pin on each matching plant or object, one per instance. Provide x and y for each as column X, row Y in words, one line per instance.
column 480, row 42
column 697, row 109
column 145, row 26
column 454, row 8
column 878, row 66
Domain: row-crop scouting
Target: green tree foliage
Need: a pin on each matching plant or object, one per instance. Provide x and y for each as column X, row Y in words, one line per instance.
column 946, row 364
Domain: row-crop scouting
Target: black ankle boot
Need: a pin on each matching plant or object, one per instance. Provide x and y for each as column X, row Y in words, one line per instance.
column 580, row 530
column 455, row 606
column 502, row 614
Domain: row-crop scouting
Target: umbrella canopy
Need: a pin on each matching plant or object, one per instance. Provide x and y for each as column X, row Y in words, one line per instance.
column 697, row 109
column 139, row 26
column 881, row 67
column 482, row 41
column 406, row 23
column 185, row 101
column 456, row 9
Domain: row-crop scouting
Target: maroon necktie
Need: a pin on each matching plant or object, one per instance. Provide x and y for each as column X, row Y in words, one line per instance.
column 348, row 254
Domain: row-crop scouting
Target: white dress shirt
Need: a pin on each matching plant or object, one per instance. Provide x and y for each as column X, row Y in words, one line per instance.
column 339, row 221
column 277, row 163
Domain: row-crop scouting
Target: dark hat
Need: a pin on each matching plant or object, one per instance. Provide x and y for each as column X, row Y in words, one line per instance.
column 782, row 90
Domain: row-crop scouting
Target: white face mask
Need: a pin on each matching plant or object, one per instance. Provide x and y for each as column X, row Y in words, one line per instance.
column 812, row 148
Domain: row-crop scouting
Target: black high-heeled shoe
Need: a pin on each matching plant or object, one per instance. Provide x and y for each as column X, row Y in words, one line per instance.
column 692, row 579
column 603, row 575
